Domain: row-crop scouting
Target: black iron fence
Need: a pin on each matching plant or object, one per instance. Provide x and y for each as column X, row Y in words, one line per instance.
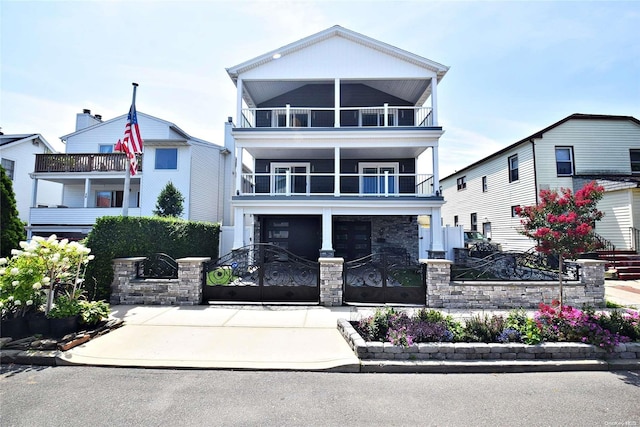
column 157, row 266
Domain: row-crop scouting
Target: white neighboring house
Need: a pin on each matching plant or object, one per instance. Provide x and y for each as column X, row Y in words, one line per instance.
column 17, row 154
column 334, row 125
column 93, row 175
column 567, row 154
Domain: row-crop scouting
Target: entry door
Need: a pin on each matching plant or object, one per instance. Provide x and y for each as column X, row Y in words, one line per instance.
column 378, row 182
column 290, row 178
column 352, row 239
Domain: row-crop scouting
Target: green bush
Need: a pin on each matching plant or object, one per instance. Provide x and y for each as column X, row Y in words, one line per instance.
column 121, row 237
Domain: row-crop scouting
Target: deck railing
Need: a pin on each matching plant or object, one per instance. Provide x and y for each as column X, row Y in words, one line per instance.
column 316, row 117
column 86, row 162
column 323, row 184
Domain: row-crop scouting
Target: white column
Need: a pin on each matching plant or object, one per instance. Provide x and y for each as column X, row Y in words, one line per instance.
column 239, row 102
column 434, row 99
column 87, row 190
column 34, row 192
column 327, row 230
column 336, row 171
column 386, row 114
column 336, row 103
column 436, row 174
column 238, row 228
column 238, row 189
column 436, row 230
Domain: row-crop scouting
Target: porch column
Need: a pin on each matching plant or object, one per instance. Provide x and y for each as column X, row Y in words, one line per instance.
column 238, row 228
column 436, row 231
column 87, row 190
column 435, row 169
column 336, row 103
column 34, row 192
column 327, row 234
column 434, row 99
column 336, row 172
column 239, row 150
column 239, row 102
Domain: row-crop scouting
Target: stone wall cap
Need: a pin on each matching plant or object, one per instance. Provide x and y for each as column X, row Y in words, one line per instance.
column 132, row 259
column 591, row 261
column 194, row 259
column 435, row 261
column 328, row 260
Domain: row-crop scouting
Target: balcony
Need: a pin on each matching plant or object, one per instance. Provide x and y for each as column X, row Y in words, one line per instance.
column 376, row 117
column 323, row 184
column 63, row 215
column 90, row 162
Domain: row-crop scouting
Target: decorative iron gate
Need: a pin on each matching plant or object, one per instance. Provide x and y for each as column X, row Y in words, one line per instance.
column 384, row 278
column 261, row 273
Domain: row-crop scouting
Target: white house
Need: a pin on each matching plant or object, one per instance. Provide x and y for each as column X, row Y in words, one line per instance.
column 332, row 127
column 17, row 154
column 566, row 154
column 93, row 175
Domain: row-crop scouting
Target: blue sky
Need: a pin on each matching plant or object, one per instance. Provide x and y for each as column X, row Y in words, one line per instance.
column 516, row 67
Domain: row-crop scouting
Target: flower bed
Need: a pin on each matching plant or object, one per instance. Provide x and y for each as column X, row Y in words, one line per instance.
column 552, row 333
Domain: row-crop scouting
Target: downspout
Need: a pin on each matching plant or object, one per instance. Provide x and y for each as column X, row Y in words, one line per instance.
column 535, row 170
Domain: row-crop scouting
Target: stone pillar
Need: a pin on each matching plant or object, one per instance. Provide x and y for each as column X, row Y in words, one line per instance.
column 124, row 270
column 438, row 281
column 592, row 278
column 331, row 280
column 190, row 280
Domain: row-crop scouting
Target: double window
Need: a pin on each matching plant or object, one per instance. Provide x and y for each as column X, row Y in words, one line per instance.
column 461, row 183
column 378, row 178
column 513, row 168
column 290, row 178
column 564, row 161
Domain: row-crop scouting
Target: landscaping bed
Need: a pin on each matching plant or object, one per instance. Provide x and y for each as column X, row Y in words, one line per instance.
column 550, row 334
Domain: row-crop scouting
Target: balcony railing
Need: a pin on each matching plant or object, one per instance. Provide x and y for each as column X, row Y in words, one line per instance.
column 383, row 116
column 91, row 162
column 74, row 216
column 323, row 184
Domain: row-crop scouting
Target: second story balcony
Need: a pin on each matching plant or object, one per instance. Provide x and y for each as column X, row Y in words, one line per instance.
column 315, row 117
column 337, row 185
column 86, row 162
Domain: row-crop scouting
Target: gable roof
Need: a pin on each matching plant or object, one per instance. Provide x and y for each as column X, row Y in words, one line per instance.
column 15, row 139
column 338, row 31
column 539, row 134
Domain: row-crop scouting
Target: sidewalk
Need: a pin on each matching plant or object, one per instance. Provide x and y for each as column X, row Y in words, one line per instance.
column 623, row 292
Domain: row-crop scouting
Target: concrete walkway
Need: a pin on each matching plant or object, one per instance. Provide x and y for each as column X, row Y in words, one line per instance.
column 268, row 337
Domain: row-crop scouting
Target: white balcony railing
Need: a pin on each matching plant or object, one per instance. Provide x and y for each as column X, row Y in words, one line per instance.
column 74, row 216
column 323, row 184
column 302, row 117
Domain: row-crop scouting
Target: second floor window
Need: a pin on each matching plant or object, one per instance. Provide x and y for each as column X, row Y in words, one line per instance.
column 513, row 168
column 166, row 158
column 106, row 148
column 635, row 161
column 462, row 183
column 484, row 184
column 9, row 167
column 564, row 161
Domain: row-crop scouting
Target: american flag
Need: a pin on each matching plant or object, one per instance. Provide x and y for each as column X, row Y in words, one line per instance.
column 132, row 141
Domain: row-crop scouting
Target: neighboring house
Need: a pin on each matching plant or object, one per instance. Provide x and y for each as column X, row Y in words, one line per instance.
column 93, row 175
column 17, row 154
column 332, row 127
column 567, row 154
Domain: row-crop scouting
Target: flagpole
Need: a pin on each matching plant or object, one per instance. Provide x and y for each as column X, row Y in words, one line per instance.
column 127, row 176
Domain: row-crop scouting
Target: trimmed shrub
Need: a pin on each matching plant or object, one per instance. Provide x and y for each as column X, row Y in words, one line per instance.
column 120, row 237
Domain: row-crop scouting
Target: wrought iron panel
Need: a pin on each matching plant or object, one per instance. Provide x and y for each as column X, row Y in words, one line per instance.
column 158, row 266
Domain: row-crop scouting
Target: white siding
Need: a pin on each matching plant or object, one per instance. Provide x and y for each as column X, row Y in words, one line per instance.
column 494, row 205
column 24, row 156
column 614, row 226
column 207, row 184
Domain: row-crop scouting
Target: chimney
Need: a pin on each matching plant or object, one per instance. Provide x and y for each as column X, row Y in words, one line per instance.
column 85, row 119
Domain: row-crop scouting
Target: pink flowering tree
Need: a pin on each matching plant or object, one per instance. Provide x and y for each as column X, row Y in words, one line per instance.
column 562, row 223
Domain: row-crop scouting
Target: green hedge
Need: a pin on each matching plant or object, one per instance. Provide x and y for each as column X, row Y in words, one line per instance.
column 121, row 237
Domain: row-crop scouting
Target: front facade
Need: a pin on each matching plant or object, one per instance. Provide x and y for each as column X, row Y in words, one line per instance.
column 336, row 130
column 577, row 149
column 17, row 156
column 93, row 176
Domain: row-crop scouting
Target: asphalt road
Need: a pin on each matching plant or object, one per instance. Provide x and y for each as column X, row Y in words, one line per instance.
column 88, row 396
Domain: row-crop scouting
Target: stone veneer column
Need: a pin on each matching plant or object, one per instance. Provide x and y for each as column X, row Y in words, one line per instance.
column 331, row 279
column 592, row 277
column 190, row 279
column 438, row 281
column 124, row 270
